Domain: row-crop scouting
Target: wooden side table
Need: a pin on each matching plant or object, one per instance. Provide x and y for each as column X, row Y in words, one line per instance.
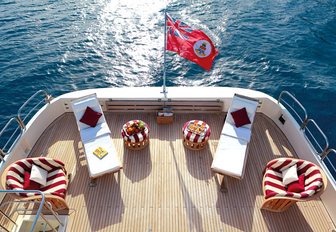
column 137, row 140
column 196, row 134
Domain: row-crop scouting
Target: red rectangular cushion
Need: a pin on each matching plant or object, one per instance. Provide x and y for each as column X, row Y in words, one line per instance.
column 30, row 184
column 297, row 186
column 240, row 117
column 90, row 117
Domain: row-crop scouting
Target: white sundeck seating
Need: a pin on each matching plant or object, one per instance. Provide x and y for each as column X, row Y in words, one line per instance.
column 231, row 154
column 94, row 137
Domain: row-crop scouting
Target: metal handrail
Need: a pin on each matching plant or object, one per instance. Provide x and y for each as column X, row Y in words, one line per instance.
column 29, row 191
column 39, row 210
column 304, row 121
column 2, row 152
column 324, row 151
column 321, row 132
column 47, row 99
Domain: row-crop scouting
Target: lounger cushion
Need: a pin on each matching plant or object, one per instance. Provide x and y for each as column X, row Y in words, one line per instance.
column 29, row 184
column 237, row 132
column 38, row 175
column 289, row 175
column 230, row 157
column 91, row 133
column 240, row 117
column 90, row 117
column 110, row 163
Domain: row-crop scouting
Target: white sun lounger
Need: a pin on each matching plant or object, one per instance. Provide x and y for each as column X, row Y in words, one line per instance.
column 231, row 154
column 94, row 137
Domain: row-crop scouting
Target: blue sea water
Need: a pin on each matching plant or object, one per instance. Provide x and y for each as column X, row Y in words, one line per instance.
column 67, row 45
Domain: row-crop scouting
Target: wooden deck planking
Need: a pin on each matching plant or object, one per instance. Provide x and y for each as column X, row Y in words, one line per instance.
column 166, row 187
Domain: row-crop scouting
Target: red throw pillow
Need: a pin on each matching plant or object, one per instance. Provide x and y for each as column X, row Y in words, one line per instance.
column 240, row 117
column 30, row 184
column 297, row 186
column 90, row 117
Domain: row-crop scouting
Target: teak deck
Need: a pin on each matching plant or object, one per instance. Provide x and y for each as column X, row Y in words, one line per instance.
column 166, row 187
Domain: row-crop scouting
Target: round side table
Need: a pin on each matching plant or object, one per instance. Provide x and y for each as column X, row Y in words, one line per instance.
column 196, row 134
column 136, row 140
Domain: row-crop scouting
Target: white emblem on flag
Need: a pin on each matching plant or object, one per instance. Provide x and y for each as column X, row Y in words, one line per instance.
column 202, row 48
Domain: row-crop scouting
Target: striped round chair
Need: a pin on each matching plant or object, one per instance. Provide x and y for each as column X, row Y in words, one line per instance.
column 276, row 196
column 55, row 188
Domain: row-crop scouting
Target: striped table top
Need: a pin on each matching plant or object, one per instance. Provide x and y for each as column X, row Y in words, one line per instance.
column 192, row 135
column 136, row 137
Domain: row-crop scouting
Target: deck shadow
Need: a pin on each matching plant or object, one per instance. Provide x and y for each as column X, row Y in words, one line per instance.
column 137, row 164
column 104, row 199
column 280, row 221
column 194, row 217
column 199, row 162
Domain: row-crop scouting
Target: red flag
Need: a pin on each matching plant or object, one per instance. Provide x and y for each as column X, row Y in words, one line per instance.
column 193, row 45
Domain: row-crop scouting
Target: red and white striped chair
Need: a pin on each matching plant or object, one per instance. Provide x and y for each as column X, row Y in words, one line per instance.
column 54, row 190
column 276, row 196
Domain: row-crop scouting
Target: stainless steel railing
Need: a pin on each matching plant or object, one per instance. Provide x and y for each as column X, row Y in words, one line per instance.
column 302, row 118
column 12, row 137
column 313, row 133
column 25, row 112
column 21, row 117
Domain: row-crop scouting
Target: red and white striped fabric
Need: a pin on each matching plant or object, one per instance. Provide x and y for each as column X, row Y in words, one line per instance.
column 56, row 178
column 135, row 138
column 273, row 185
column 194, row 137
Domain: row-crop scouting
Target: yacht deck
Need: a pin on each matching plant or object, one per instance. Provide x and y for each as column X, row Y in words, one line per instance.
column 166, row 187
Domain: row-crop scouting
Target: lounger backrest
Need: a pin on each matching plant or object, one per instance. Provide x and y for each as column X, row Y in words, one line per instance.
column 239, row 102
column 79, row 106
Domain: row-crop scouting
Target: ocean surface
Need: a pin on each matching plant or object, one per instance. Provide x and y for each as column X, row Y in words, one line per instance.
column 271, row 46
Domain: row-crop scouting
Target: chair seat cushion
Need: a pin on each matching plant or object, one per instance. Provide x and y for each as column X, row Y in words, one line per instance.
column 273, row 185
column 56, row 183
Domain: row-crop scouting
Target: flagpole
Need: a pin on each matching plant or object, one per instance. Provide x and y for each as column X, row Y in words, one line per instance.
column 164, row 55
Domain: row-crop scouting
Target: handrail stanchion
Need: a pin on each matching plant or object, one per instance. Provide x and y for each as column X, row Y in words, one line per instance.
column 327, row 152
